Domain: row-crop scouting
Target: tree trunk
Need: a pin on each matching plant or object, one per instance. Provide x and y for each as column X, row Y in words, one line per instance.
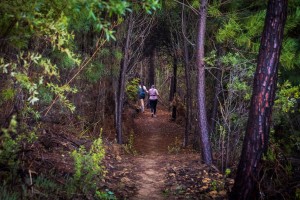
column 264, row 86
column 121, row 84
column 151, row 76
column 188, row 114
column 173, row 87
column 217, row 91
column 202, row 117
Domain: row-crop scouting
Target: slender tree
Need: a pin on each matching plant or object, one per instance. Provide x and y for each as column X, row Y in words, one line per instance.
column 151, row 69
column 121, row 84
column 202, row 118
column 188, row 115
column 264, row 86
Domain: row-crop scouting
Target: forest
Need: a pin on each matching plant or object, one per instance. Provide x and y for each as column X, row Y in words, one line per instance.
column 228, row 112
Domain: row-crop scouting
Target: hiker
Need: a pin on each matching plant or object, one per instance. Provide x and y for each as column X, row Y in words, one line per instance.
column 142, row 94
column 153, row 95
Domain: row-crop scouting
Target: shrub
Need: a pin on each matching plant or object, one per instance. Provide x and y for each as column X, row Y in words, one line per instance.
column 88, row 167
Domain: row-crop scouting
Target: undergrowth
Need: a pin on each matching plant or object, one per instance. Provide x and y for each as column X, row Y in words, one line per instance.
column 18, row 182
column 129, row 147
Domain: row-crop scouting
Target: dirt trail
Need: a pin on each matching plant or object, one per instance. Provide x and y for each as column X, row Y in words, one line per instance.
column 155, row 134
column 162, row 170
column 153, row 137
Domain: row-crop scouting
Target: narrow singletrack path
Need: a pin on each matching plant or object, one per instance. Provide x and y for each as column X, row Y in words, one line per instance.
column 154, row 139
column 162, row 169
column 155, row 134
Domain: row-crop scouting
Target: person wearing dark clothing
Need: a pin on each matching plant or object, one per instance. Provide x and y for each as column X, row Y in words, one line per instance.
column 153, row 97
column 142, row 90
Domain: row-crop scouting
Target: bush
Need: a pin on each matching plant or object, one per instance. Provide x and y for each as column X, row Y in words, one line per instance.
column 88, row 168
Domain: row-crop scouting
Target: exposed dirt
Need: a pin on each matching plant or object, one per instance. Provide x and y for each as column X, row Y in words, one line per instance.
column 150, row 165
column 162, row 169
column 154, row 136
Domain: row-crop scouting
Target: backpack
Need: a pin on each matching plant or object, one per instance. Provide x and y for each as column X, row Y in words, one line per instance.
column 142, row 93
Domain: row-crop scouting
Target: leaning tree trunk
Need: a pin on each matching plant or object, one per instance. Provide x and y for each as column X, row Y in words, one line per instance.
column 188, row 115
column 203, row 125
column 264, row 86
column 121, row 84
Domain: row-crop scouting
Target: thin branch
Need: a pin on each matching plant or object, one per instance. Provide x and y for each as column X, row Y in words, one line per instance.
column 99, row 44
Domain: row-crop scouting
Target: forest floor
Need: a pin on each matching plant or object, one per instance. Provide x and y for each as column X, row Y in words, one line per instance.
column 150, row 165
column 159, row 168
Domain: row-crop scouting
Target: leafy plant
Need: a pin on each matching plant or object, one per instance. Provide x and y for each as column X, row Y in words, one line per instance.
column 129, row 147
column 227, row 172
column 46, row 187
column 7, row 194
column 94, row 72
column 105, row 195
column 214, row 185
column 7, row 94
column 175, row 147
column 88, row 167
column 132, row 89
column 11, row 145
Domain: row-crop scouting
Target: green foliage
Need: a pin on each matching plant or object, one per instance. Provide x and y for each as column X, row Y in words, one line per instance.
column 214, row 185
column 286, row 97
column 290, row 56
column 284, row 110
column 118, row 55
column 242, row 73
column 129, row 147
column 214, row 9
column 175, row 147
column 60, row 92
column 94, row 72
column 7, row 194
column 132, row 89
column 227, row 172
column 234, row 100
column 46, row 187
column 6, row 95
column 230, row 30
column 105, row 195
column 63, row 60
column 12, row 142
column 276, row 170
column 9, row 147
column 45, row 95
column 150, row 5
column 195, row 4
column 243, row 31
column 88, row 167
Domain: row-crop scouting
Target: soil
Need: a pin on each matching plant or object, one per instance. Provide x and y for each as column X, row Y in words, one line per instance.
column 159, row 167
column 154, row 136
column 150, row 165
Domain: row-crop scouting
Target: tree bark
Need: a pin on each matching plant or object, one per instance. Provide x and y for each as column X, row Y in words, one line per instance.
column 188, row 114
column 121, row 84
column 202, row 117
column 264, row 87
column 173, row 87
